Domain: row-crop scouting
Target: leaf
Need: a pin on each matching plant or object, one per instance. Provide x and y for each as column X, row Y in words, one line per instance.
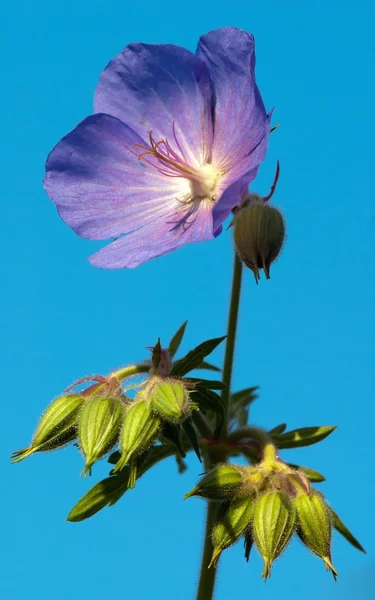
column 172, row 433
column 313, row 476
column 175, row 342
column 101, row 495
column 207, row 383
column 114, row 457
column 244, row 397
column 195, row 357
column 156, row 354
column 192, row 437
column 341, row 528
column 242, row 416
column 208, row 367
column 278, row 429
column 302, row 437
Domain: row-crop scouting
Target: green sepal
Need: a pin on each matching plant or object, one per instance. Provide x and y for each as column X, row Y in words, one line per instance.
column 132, row 474
column 191, row 435
column 57, row 427
column 181, row 464
column 314, row 526
column 176, row 340
column 139, row 430
column 99, row 424
column 170, row 400
column 231, row 525
column 305, row 436
column 313, row 476
column 173, row 434
column 344, row 531
column 104, row 493
column 273, row 526
column 220, row 483
column 195, row 357
column 278, row 430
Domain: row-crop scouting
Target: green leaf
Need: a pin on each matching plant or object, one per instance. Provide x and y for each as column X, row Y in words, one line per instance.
column 207, row 383
column 244, row 397
column 192, row 437
column 101, row 495
column 341, row 528
column 242, row 416
column 208, row 367
column 195, row 357
column 278, row 429
column 172, row 433
column 313, row 476
column 175, row 342
column 302, row 437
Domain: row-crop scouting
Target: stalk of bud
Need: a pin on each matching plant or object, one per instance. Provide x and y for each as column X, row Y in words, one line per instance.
column 139, row 429
column 57, row 427
column 99, row 427
column 273, row 526
column 230, row 525
column 221, row 483
column 314, row 526
column 170, row 400
column 259, row 233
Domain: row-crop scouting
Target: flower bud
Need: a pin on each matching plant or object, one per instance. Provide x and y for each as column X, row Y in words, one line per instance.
column 273, row 526
column 230, row 525
column 99, row 427
column 139, row 429
column 56, row 428
column 221, row 483
column 314, row 526
column 259, row 233
column 170, row 400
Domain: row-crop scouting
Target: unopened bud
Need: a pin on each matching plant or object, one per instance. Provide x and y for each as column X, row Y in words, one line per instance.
column 230, row 525
column 259, row 233
column 170, row 400
column 57, row 427
column 99, row 427
column 139, row 429
column 314, row 526
column 221, row 483
column 273, row 526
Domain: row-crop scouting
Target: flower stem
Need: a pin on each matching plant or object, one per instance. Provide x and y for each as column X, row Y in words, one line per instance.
column 231, row 338
column 215, row 455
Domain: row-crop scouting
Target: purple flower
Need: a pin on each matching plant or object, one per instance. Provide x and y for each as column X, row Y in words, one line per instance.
column 175, row 140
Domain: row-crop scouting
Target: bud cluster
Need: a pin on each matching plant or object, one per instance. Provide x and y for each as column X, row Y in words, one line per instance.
column 266, row 504
column 102, row 416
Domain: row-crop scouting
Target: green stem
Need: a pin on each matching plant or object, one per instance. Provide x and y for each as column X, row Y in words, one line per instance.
column 231, row 337
column 130, row 370
column 207, row 576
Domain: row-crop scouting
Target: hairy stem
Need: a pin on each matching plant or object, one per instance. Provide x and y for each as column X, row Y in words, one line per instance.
column 231, row 337
column 214, row 455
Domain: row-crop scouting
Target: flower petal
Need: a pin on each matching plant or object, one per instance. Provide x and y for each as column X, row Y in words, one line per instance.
column 100, row 187
column 230, row 198
column 159, row 87
column 240, row 123
column 158, row 238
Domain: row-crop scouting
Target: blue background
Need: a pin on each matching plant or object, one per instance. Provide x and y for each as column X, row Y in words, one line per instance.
column 306, row 337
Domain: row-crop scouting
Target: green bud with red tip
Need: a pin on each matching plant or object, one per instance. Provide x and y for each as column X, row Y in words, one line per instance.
column 314, row 526
column 99, row 427
column 231, row 524
column 57, row 427
column 273, row 526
